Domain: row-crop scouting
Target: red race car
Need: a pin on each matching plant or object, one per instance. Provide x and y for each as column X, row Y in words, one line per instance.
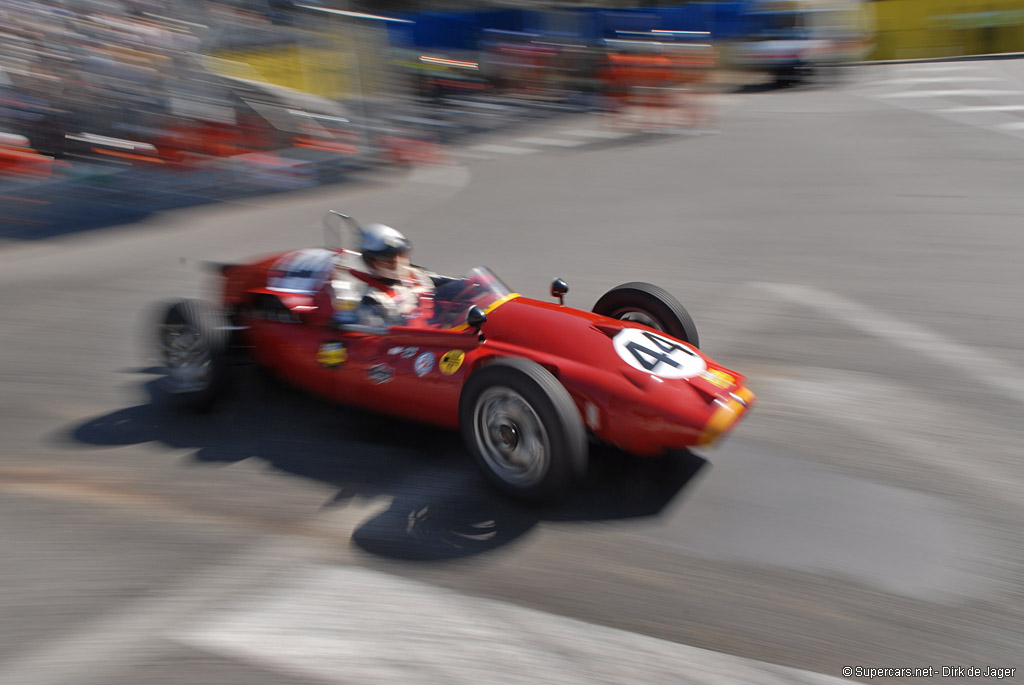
column 527, row 382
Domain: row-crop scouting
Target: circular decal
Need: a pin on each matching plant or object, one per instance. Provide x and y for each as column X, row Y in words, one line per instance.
column 451, row 361
column 301, row 271
column 332, row 354
column 657, row 354
column 423, row 364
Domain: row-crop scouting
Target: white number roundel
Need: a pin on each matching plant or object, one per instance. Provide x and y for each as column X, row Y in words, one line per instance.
column 301, row 271
column 657, row 355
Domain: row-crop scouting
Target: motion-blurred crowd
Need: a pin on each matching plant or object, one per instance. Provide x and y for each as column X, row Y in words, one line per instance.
column 134, row 82
column 115, row 79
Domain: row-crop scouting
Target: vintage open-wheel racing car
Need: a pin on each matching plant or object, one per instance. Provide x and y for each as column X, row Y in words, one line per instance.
column 528, row 383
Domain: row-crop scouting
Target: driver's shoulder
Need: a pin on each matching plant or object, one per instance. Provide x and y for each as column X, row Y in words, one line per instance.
column 346, row 261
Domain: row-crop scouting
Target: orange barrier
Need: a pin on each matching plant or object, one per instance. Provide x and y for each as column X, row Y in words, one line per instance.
column 659, row 87
column 23, row 162
column 401, row 150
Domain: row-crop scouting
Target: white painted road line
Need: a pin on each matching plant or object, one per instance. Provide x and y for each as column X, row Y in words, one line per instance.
column 982, row 108
column 471, row 156
column 501, row 149
column 924, row 433
column 595, row 133
column 930, row 67
column 952, row 78
column 960, row 92
column 354, row 625
column 92, row 652
column 550, row 142
column 453, row 176
column 974, row 364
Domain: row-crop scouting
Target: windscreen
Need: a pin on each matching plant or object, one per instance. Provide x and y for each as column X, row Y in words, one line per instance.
column 453, row 298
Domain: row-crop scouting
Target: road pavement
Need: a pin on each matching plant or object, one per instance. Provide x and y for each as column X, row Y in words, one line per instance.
column 854, row 249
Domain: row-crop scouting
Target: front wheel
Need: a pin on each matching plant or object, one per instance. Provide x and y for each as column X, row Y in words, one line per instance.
column 192, row 340
column 523, row 429
column 651, row 306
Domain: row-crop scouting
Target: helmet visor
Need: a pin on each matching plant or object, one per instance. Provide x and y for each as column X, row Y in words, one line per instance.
column 385, row 261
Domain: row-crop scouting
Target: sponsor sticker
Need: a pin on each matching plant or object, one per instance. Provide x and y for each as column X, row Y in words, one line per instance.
column 423, row 364
column 409, row 352
column 380, row 373
column 346, row 305
column 396, row 350
column 331, row 354
column 719, row 379
column 451, row 361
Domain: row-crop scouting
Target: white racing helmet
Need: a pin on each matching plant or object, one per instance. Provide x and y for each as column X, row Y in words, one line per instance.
column 384, row 251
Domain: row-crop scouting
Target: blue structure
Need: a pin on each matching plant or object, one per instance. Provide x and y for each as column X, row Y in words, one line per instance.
column 463, row 30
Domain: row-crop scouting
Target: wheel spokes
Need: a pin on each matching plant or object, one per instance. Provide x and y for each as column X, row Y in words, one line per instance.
column 186, row 356
column 511, row 436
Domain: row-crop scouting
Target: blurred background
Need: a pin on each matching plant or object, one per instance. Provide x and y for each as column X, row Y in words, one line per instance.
column 831, row 187
column 290, row 93
column 242, row 95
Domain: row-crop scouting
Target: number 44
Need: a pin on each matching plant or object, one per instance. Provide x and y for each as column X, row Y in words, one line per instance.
column 651, row 358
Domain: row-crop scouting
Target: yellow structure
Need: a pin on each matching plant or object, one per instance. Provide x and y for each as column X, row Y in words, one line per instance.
column 917, row 29
column 345, row 61
column 341, row 62
column 320, row 71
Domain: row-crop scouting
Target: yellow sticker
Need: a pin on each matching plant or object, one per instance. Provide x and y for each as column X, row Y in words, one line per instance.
column 719, row 379
column 346, row 304
column 451, row 361
column 332, row 354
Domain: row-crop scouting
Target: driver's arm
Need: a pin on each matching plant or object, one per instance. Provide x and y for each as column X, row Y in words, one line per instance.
column 437, row 279
column 366, row 315
column 450, row 290
column 363, row 319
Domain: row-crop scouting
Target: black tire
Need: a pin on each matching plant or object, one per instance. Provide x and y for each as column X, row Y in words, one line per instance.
column 793, row 75
column 193, row 341
column 516, row 410
column 650, row 305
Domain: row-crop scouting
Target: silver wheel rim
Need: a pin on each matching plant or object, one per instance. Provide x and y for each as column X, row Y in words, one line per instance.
column 511, row 437
column 186, row 358
column 637, row 316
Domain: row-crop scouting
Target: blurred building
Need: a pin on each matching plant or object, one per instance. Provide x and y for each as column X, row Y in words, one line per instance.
column 916, row 29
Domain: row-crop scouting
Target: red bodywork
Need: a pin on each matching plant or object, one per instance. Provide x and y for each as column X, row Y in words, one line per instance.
column 415, row 372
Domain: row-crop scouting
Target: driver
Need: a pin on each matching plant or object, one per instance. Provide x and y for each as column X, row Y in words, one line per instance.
column 382, row 288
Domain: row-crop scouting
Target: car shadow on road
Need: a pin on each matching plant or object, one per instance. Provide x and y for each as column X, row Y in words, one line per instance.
column 765, row 87
column 441, row 508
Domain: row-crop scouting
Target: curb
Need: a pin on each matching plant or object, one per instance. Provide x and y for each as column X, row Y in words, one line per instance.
column 952, row 58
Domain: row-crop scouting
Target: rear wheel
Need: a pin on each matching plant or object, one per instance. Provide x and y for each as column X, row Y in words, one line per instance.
column 651, row 306
column 193, row 341
column 523, row 429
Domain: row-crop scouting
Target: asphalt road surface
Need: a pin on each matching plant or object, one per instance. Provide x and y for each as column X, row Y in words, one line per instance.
column 854, row 249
